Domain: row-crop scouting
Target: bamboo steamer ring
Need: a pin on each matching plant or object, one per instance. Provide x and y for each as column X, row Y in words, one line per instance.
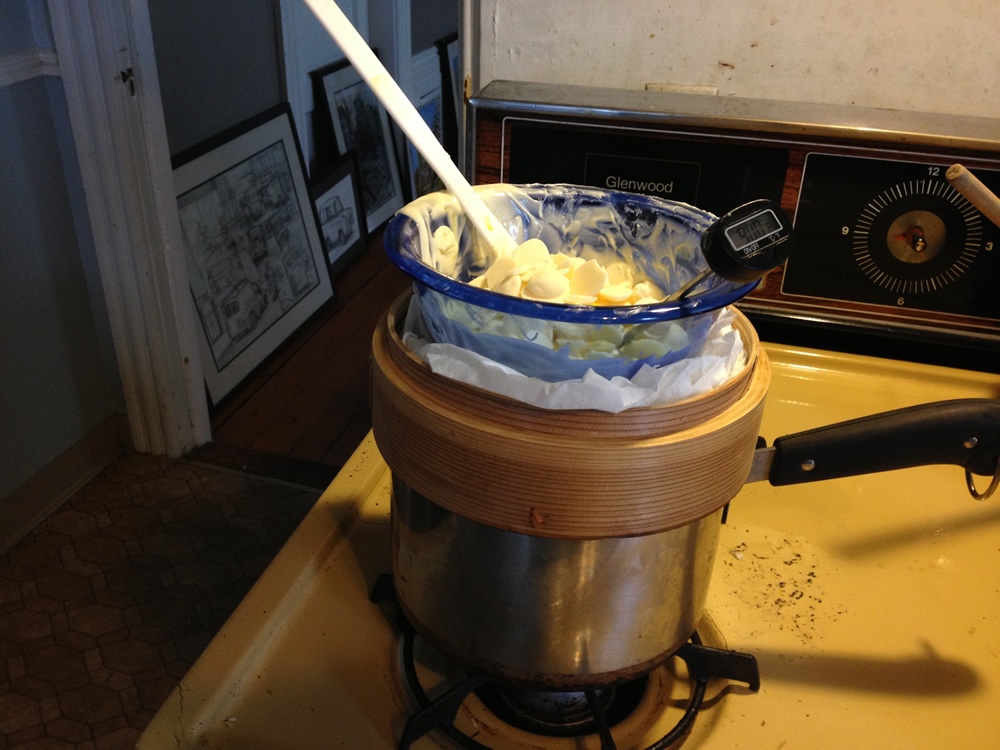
column 574, row 474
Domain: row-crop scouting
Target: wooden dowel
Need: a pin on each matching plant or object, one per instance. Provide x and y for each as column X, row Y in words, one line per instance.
column 980, row 196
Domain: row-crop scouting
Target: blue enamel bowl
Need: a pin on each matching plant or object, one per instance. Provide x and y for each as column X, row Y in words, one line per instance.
column 659, row 239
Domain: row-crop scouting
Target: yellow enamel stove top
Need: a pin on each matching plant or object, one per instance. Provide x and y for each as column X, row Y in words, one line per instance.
column 872, row 605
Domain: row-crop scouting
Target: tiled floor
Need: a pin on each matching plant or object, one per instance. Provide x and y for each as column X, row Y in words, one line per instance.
column 111, row 599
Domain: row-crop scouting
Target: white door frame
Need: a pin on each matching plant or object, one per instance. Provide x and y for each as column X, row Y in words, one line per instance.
column 108, row 67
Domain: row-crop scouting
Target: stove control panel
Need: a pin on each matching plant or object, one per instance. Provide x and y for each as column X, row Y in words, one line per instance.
column 884, row 245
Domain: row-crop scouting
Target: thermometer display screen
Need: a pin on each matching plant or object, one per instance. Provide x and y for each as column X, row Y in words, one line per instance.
column 751, row 230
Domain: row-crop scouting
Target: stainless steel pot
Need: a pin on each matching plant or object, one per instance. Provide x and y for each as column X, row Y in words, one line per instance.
column 559, row 613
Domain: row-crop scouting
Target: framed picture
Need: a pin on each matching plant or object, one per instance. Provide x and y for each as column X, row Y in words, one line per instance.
column 423, row 179
column 426, row 78
column 359, row 122
column 255, row 258
column 337, row 196
column 452, row 85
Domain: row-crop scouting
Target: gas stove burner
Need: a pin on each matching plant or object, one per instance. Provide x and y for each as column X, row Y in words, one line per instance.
column 562, row 714
column 593, row 711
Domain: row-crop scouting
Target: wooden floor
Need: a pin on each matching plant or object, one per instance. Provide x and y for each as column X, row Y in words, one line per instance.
column 301, row 415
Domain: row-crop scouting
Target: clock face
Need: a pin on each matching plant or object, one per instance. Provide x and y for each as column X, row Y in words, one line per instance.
column 893, row 234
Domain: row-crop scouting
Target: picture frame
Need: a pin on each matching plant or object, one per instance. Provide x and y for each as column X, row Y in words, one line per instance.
column 423, row 179
column 359, row 122
column 255, row 259
column 452, row 86
column 426, row 78
column 337, row 197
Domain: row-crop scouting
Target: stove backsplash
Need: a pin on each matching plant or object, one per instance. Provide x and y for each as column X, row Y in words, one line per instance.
column 898, row 55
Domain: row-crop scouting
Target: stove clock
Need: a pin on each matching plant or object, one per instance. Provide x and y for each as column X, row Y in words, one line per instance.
column 894, row 234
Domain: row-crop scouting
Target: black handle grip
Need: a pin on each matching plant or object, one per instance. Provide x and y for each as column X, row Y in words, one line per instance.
column 965, row 432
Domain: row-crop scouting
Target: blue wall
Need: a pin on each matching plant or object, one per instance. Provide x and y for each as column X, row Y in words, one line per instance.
column 218, row 63
column 58, row 377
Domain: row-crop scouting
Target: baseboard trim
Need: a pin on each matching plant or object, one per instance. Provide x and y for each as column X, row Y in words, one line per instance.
column 30, row 504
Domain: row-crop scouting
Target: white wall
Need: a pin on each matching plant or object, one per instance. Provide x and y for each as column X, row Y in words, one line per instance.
column 917, row 55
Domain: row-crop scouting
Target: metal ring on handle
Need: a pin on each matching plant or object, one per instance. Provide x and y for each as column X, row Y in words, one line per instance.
column 989, row 490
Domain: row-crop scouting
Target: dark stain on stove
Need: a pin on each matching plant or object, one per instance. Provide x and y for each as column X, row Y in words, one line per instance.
column 773, row 574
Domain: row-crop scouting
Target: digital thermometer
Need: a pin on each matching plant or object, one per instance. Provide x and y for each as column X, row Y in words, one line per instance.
column 744, row 244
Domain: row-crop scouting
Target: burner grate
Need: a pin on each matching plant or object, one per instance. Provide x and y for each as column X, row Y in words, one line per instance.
column 602, row 708
column 563, row 714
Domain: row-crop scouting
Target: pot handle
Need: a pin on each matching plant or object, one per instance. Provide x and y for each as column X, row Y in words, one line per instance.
column 965, row 432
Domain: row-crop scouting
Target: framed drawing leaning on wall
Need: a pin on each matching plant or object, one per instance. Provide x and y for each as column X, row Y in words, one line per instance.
column 360, row 122
column 337, row 195
column 255, row 257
